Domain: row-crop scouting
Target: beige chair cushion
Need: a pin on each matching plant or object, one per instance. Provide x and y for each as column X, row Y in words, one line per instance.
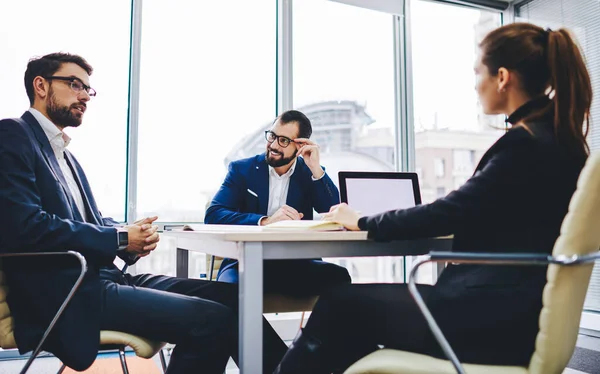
column 275, row 303
column 216, row 267
column 389, row 361
column 7, row 338
column 563, row 298
column 566, row 288
column 142, row 347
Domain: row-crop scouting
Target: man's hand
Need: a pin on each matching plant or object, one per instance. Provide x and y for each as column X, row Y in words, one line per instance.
column 149, row 220
column 143, row 238
column 309, row 150
column 344, row 215
column 285, row 213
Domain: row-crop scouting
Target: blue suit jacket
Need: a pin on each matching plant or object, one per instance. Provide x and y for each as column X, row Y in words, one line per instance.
column 38, row 213
column 234, row 205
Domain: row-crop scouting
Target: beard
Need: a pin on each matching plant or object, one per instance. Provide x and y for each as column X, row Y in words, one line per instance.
column 61, row 115
column 273, row 162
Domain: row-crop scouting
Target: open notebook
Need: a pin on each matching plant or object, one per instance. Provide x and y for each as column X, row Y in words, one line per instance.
column 308, row 225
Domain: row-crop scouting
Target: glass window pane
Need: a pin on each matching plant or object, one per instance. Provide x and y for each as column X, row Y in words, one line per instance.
column 344, row 82
column 207, row 85
column 451, row 131
column 100, row 143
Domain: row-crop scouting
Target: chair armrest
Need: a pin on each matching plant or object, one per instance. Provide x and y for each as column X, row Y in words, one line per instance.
column 60, row 311
column 511, row 258
column 484, row 259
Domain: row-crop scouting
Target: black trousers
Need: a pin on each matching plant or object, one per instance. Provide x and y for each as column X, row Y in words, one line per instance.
column 200, row 317
column 353, row 321
column 295, row 277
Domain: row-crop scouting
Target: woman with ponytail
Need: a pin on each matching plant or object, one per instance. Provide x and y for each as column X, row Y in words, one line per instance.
column 515, row 201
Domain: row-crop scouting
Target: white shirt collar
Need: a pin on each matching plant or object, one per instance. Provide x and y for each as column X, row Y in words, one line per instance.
column 55, row 136
column 287, row 174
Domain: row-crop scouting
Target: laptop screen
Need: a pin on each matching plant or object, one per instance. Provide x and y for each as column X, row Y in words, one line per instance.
column 374, row 192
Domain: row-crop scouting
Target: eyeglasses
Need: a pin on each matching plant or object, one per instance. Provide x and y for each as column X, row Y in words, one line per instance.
column 283, row 141
column 76, row 84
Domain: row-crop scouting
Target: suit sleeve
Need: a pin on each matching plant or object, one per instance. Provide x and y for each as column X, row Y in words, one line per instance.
column 25, row 225
column 497, row 186
column 226, row 205
column 326, row 194
column 109, row 222
column 129, row 258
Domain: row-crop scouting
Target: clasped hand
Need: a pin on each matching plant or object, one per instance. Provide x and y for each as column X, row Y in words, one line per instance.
column 143, row 236
column 285, row 213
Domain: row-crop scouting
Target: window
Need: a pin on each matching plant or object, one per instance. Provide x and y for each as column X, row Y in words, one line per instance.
column 207, row 91
column 344, row 82
column 464, row 161
column 581, row 18
column 439, row 165
column 100, row 143
column 447, row 114
column 441, row 192
column 450, row 126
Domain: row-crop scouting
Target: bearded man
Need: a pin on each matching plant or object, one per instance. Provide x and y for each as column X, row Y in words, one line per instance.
column 287, row 182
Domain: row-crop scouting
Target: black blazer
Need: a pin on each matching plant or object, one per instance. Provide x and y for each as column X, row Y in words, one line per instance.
column 515, row 202
column 37, row 213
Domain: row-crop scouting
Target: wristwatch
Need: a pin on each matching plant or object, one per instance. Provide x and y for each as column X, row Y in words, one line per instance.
column 123, row 237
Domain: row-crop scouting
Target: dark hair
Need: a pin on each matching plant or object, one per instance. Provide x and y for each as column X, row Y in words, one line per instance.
column 543, row 60
column 47, row 65
column 304, row 126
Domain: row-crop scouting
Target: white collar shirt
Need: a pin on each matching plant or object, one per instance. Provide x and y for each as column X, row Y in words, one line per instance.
column 59, row 142
column 278, row 188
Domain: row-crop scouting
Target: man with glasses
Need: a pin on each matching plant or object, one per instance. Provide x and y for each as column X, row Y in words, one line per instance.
column 46, row 204
column 274, row 186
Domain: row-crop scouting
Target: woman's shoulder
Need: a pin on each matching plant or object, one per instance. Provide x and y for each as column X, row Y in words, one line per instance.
column 535, row 141
column 531, row 134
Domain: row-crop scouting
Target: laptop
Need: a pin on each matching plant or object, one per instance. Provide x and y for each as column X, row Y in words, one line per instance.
column 377, row 192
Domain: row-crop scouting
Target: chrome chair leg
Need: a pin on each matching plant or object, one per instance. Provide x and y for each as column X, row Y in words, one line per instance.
column 212, row 267
column 163, row 362
column 123, row 362
column 62, row 368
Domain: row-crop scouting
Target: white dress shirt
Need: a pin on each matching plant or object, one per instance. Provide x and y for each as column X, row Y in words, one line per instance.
column 59, row 142
column 278, row 188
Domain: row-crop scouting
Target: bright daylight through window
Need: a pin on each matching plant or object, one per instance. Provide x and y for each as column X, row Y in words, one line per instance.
column 100, row 143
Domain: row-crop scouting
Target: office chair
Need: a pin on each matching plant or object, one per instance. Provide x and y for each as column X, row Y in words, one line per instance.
column 109, row 340
column 569, row 271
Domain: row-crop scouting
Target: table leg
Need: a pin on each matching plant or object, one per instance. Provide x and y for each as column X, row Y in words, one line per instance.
column 251, row 307
column 182, row 263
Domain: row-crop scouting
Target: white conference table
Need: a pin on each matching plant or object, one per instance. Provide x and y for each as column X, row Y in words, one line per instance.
column 250, row 245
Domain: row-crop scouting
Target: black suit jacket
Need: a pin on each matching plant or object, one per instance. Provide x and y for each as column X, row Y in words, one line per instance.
column 38, row 213
column 515, row 202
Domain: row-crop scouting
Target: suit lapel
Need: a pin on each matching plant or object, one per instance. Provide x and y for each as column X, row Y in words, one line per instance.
column 90, row 212
column 259, row 174
column 294, row 195
column 51, row 160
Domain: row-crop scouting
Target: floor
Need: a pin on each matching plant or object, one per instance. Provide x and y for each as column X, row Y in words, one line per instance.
column 585, row 360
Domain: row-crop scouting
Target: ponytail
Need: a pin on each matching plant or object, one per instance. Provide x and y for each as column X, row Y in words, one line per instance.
column 546, row 60
column 572, row 90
